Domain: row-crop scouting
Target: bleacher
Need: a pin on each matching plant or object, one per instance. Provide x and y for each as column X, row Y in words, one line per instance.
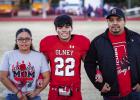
column 133, row 12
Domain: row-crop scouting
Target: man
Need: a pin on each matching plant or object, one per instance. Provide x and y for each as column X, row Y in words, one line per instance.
column 65, row 52
column 117, row 53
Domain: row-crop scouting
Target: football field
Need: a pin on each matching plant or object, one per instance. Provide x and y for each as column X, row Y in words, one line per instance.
column 40, row 29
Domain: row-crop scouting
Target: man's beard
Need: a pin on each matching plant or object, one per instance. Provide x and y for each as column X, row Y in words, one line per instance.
column 116, row 30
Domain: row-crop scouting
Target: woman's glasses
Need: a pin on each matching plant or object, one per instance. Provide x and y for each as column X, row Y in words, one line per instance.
column 27, row 39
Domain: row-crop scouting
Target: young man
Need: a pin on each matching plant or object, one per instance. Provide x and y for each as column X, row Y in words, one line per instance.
column 65, row 52
column 116, row 52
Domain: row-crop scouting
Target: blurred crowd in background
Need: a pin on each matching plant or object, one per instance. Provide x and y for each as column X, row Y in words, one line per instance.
column 89, row 8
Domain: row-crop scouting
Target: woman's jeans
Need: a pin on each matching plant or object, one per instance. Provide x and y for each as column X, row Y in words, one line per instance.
column 132, row 96
column 14, row 97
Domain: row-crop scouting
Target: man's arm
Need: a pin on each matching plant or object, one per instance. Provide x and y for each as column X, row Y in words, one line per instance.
column 90, row 64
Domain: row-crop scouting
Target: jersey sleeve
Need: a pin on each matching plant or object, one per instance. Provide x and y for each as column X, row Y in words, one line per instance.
column 42, row 47
column 85, row 46
column 44, row 64
column 4, row 62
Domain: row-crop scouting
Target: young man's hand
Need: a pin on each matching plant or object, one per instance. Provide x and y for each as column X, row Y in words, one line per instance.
column 39, row 83
column 98, row 78
column 106, row 88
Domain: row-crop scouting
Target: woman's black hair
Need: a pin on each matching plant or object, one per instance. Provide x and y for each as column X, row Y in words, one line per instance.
column 23, row 30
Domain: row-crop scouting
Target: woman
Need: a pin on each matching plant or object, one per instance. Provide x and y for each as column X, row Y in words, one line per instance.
column 20, row 69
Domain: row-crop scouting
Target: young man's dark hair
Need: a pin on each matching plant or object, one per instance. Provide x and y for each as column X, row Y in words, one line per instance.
column 63, row 20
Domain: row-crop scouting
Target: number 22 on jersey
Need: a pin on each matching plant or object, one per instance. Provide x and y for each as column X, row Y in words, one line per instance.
column 69, row 64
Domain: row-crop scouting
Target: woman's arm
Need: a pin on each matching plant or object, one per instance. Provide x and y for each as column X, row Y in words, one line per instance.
column 8, row 84
column 46, row 79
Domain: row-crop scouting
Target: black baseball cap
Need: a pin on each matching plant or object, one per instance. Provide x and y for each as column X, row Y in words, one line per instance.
column 116, row 12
